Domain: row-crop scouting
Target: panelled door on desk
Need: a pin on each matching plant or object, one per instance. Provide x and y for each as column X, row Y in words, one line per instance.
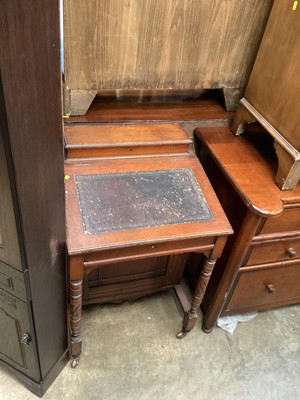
column 16, row 349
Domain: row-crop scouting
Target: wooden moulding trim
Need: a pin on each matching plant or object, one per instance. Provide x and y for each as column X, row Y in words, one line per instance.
column 127, row 144
column 182, row 248
column 106, row 151
column 275, row 264
column 260, row 211
column 272, row 237
column 110, row 260
column 290, row 206
column 272, row 131
column 79, row 160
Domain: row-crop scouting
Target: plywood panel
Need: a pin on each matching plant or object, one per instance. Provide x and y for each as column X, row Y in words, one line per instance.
column 151, row 45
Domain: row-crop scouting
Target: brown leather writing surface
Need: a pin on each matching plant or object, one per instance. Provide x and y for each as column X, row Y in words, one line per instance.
column 140, row 199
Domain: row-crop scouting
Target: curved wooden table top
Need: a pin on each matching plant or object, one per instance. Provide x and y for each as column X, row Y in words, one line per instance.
column 248, row 168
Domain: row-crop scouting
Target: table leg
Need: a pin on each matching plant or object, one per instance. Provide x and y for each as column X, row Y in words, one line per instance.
column 75, row 320
column 242, row 117
column 191, row 316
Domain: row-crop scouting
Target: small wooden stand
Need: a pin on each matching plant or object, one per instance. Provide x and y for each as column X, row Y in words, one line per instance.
column 288, row 173
column 272, row 95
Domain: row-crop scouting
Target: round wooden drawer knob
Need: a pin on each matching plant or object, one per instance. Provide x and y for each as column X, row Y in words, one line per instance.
column 270, row 288
column 291, row 252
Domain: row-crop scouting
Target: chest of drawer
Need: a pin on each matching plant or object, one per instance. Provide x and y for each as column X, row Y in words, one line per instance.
column 288, row 221
column 272, row 251
column 266, row 287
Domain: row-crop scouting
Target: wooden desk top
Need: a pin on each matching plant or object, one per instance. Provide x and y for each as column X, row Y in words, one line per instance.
column 139, row 231
column 249, row 168
column 119, row 135
column 100, row 140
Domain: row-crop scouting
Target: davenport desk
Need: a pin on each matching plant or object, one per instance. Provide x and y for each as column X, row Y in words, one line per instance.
column 260, row 265
column 133, row 194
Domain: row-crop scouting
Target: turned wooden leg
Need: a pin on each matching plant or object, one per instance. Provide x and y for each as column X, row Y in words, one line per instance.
column 76, row 289
column 241, row 119
column 75, row 320
column 191, row 316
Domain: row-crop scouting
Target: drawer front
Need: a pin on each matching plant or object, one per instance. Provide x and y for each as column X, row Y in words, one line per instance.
column 12, row 281
column 277, row 250
column 289, row 220
column 14, row 323
column 266, row 286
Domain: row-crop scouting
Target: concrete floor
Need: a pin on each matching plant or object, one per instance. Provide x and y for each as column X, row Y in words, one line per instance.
column 131, row 353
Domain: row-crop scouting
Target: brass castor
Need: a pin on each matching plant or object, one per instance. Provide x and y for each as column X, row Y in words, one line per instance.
column 74, row 362
column 182, row 334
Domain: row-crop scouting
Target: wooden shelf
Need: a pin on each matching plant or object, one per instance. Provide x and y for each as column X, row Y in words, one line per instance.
column 207, row 107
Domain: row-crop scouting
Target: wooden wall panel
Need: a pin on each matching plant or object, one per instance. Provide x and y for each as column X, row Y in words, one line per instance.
column 151, row 44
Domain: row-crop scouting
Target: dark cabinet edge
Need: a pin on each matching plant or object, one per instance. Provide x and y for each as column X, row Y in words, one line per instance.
column 39, row 389
column 11, row 173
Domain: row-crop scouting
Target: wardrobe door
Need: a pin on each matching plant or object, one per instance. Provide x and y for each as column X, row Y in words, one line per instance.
column 9, row 244
column 17, row 346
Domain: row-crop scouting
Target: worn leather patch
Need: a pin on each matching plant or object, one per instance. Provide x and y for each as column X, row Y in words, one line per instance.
column 118, row 201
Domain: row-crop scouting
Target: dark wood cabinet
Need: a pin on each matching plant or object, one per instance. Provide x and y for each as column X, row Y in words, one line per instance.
column 33, row 328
